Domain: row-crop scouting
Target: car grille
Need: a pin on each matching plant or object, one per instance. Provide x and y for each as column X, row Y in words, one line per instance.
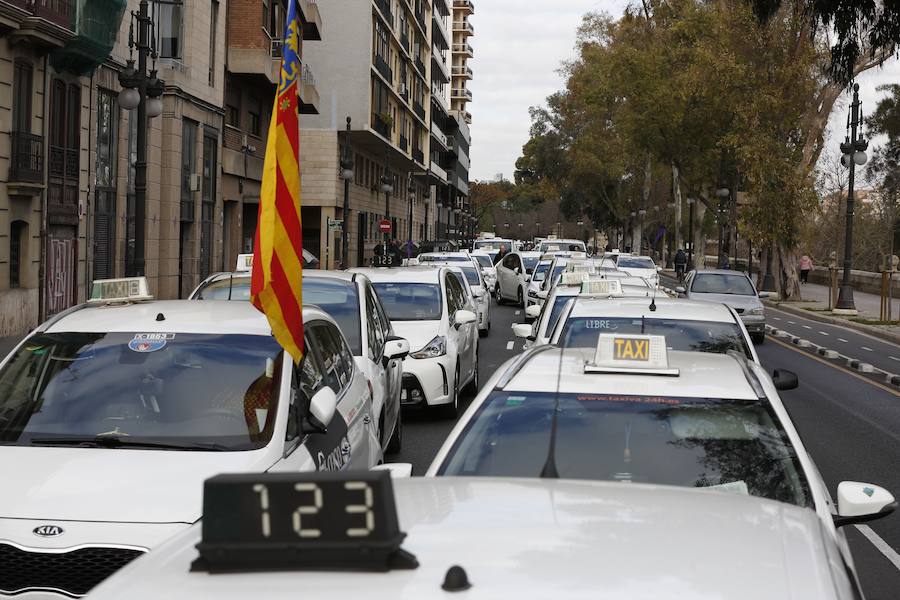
column 72, row 573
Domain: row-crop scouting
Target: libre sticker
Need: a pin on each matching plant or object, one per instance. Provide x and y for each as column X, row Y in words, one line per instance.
column 149, row 342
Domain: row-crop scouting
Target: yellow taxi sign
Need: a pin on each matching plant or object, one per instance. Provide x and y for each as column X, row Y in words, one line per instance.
column 244, row 263
column 633, row 353
column 126, row 289
column 602, row 287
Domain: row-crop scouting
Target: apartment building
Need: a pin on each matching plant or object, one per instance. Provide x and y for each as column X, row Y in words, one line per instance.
column 377, row 71
column 253, row 60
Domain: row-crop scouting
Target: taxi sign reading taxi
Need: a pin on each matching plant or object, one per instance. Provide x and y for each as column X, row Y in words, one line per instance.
column 640, row 354
column 127, row 289
column 384, row 226
column 244, row 263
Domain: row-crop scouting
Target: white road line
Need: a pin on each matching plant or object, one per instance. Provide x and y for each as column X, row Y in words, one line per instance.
column 866, row 348
column 880, row 544
column 842, row 340
column 894, row 358
column 823, row 333
column 791, row 322
column 509, row 345
column 777, row 318
column 806, row 327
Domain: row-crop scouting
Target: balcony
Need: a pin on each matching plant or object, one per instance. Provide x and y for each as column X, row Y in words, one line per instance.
column 466, row 6
column 439, row 32
column 420, row 67
column 404, row 143
column 418, row 156
column 461, row 94
column 438, row 98
column 404, row 41
column 420, row 19
column 462, row 71
column 439, row 71
column 381, row 126
column 385, row 7
column 463, row 27
column 419, row 109
column 385, row 69
column 438, row 135
column 309, row 94
column 312, row 20
column 464, row 49
column 26, row 164
column 95, row 24
column 452, row 147
column 42, row 24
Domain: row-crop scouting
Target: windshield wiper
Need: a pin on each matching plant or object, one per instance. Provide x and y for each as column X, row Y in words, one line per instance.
column 115, row 441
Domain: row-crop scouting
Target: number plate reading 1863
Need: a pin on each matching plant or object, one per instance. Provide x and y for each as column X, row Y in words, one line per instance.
column 301, row 521
column 631, row 349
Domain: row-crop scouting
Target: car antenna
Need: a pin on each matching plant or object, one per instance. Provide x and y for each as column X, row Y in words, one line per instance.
column 230, row 283
column 549, row 471
column 652, row 305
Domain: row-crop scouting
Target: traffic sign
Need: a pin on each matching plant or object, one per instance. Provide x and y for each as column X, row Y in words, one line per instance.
column 384, row 226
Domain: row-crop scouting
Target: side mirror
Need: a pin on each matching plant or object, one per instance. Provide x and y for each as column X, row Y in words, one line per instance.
column 543, row 294
column 785, row 380
column 862, row 502
column 765, row 294
column 397, row 470
column 533, row 311
column 659, row 269
column 680, row 290
column 528, row 279
column 321, row 410
column 463, row 317
column 395, row 348
column 522, row 330
column 516, row 270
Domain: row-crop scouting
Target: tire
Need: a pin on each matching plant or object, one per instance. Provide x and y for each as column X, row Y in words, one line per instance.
column 451, row 410
column 396, row 443
column 499, row 295
column 520, row 299
column 758, row 338
column 472, row 388
column 484, row 332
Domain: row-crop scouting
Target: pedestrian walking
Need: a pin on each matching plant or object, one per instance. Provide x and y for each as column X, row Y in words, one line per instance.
column 806, row 266
column 503, row 252
column 680, row 264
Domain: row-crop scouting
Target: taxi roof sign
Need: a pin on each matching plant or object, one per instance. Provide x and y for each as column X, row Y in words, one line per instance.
column 244, row 263
column 635, row 354
column 602, row 287
column 581, row 267
column 126, row 289
column 572, row 278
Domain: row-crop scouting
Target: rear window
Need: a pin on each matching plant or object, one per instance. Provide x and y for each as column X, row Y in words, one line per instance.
column 694, row 336
column 410, row 301
column 626, row 262
column 340, row 300
column 443, row 258
column 721, row 283
column 530, row 263
column 230, row 288
column 484, row 261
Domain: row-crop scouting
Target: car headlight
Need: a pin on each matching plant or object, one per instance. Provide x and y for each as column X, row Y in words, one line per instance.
column 532, row 293
column 756, row 311
column 433, row 349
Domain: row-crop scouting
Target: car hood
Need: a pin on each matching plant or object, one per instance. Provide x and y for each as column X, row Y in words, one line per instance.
column 417, row 333
column 732, row 300
column 113, row 485
column 543, row 539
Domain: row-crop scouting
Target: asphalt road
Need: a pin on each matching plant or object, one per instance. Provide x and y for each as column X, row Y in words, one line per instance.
column 850, row 426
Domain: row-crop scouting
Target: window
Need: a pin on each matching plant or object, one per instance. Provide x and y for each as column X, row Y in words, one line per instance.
column 17, row 236
column 340, row 300
column 375, row 326
column 169, row 19
column 208, row 202
column 255, row 113
column 410, row 301
column 721, row 283
column 105, row 203
column 454, row 293
column 232, row 115
column 213, row 27
column 188, row 167
column 328, row 342
column 22, row 96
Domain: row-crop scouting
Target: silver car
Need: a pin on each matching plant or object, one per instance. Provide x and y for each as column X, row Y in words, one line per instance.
column 734, row 289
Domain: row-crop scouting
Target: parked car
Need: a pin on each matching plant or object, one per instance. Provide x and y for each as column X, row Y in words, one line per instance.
column 734, row 289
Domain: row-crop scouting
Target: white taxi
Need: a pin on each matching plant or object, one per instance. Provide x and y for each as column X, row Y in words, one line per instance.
column 485, row 539
column 639, row 266
column 115, row 411
column 427, row 306
column 513, row 274
column 486, row 261
column 471, row 276
column 631, row 411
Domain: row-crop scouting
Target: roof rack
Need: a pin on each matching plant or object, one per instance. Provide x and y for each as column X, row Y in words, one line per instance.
column 523, row 358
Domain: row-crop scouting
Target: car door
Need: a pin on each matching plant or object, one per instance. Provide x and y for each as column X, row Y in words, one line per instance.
column 466, row 333
column 395, row 367
column 388, row 374
column 455, row 335
column 507, row 289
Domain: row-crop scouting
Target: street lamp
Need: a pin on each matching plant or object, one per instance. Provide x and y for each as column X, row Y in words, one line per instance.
column 722, row 194
column 854, row 154
column 642, row 213
column 143, row 91
column 690, row 202
column 411, row 188
column 347, row 176
column 387, row 188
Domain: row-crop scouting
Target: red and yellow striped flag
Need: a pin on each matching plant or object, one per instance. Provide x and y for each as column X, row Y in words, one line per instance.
column 276, row 284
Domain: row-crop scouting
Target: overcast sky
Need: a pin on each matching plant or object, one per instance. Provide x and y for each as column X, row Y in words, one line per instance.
column 519, row 46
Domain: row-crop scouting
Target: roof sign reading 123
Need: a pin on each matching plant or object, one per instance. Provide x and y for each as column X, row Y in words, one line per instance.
column 644, row 354
column 127, row 289
column 331, row 521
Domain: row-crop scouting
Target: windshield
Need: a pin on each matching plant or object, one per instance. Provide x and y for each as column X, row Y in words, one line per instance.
column 721, row 283
column 492, row 244
column 484, row 261
column 471, row 275
column 443, row 258
column 540, row 271
column 340, row 300
column 562, row 246
column 559, row 303
column 175, row 388
column 734, row 445
column 632, row 262
column 230, row 288
column 556, row 271
column 696, row 336
column 410, row 301
column 530, row 263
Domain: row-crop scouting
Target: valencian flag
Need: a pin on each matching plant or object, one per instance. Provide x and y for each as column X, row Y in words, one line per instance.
column 276, row 284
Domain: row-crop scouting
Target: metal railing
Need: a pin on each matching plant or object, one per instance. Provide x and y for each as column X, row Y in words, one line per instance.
column 463, row 48
column 420, row 66
column 306, row 75
column 464, row 26
column 380, row 125
column 468, row 4
column 58, row 12
column 385, row 69
column 461, row 93
column 463, row 71
column 27, row 157
column 419, row 109
column 418, row 156
column 385, row 7
column 275, row 47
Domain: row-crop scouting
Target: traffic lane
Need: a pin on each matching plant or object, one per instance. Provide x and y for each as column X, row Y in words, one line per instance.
column 424, row 432
column 881, row 353
column 849, row 428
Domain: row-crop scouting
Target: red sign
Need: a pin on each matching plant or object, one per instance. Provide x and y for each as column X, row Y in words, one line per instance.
column 384, row 226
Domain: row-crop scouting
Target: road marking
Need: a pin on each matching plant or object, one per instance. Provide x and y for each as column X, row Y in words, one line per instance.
column 836, row 367
column 806, row 327
column 777, row 318
column 791, row 322
column 880, row 544
column 866, row 348
column 509, row 345
column 894, row 358
column 842, row 340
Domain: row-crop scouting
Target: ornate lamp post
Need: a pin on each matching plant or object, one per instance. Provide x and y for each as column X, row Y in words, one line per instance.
column 854, row 153
column 143, row 91
column 347, row 175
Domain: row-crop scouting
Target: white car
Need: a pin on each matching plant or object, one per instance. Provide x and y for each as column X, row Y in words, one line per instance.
column 471, row 276
column 427, row 306
column 491, row 538
column 541, row 271
column 492, row 243
column 561, row 245
column 513, row 274
column 486, row 261
column 687, row 325
column 116, row 411
column 631, row 412
column 639, row 266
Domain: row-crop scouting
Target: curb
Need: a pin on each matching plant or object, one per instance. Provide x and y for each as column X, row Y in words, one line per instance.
column 833, row 356
column 813, row 316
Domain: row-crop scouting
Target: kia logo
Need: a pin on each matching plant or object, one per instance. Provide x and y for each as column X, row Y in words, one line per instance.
column 48, row 530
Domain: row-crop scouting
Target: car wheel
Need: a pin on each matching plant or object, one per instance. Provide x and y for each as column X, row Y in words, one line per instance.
column 396, row 442
column 520, row 301
column 499, row 295
column 451, row 409
column 472, row 388
column 483, row 332
column 758, row 338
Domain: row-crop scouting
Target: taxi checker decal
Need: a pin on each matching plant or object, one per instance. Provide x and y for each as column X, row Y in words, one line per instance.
column 150, row 342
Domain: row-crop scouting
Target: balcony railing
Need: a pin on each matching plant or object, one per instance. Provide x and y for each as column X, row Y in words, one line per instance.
column 404, row 41
column 464, row 27
column 419, row 109
column 385, row 7
column 306, row 75
column 420, row 17
column 418, row 155
column 58, row 12
column 275, row 46
column 404, row 143
column 461, row 94
column 464, row 4
column 27, row 160
column 385, row 69
column 420, row 66
column 380, row 125
column 463, row 49
column 462, row 71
